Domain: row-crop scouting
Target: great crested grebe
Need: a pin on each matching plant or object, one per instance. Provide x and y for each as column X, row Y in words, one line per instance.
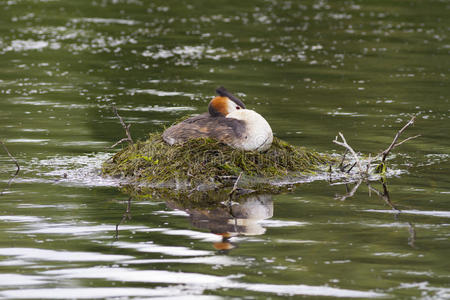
column 227, row 121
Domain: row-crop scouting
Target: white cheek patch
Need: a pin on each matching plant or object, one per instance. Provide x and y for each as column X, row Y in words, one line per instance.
column 231, row 106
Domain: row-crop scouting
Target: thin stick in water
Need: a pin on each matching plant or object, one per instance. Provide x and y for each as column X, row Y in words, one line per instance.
column 126, row 215
column 235, row 185
column 11, row 156
column 14, row 160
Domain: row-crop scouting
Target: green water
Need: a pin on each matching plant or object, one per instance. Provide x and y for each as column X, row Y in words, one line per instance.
column 311, row 68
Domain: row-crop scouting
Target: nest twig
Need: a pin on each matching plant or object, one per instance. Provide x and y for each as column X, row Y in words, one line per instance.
column 125, row 126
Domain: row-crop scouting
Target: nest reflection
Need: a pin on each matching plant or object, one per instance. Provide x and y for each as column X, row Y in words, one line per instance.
column 221, row 215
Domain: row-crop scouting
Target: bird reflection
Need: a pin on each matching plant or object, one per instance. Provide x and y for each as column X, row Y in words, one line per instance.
column 231, row 219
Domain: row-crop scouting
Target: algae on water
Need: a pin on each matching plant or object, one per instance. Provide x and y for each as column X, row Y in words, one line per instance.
column 206, row 163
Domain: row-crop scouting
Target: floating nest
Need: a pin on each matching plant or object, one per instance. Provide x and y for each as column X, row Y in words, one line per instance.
column 205, row 164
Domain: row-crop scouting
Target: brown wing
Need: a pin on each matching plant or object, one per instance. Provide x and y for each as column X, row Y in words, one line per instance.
column 222, row 129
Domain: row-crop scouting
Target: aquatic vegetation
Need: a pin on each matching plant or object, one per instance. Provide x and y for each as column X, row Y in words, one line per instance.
column 204, row 164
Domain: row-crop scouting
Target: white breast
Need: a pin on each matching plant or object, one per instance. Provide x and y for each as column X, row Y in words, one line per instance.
column 258, row 135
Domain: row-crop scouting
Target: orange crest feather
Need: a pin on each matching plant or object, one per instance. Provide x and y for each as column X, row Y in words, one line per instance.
column 219, row 106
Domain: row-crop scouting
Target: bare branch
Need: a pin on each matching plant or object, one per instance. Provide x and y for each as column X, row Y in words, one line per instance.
column 347, row 146
column 408, row 139
column 351, row 168
column 394, row 144
column 341, row 165
column 125, row 126
column 369, row 161
column 383, row 155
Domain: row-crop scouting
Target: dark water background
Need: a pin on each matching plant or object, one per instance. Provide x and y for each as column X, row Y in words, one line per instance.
column 311, row 68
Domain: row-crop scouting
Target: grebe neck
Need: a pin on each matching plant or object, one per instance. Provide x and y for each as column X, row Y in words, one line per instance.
column 258, row 134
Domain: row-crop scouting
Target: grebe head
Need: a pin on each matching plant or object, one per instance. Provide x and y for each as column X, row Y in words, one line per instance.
column 222, row 106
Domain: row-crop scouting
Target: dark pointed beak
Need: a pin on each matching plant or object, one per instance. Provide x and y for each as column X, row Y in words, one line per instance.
column 224, row 93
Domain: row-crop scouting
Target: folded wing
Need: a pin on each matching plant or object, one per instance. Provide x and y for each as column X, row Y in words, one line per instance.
column 223, row 129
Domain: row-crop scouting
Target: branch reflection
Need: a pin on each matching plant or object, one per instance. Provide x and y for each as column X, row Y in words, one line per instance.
column 386, row 197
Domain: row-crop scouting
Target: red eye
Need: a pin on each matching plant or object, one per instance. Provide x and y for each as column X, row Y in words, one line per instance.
column 237, row 107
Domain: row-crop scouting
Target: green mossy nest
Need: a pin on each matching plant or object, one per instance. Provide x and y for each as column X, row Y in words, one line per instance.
column 205, row 164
